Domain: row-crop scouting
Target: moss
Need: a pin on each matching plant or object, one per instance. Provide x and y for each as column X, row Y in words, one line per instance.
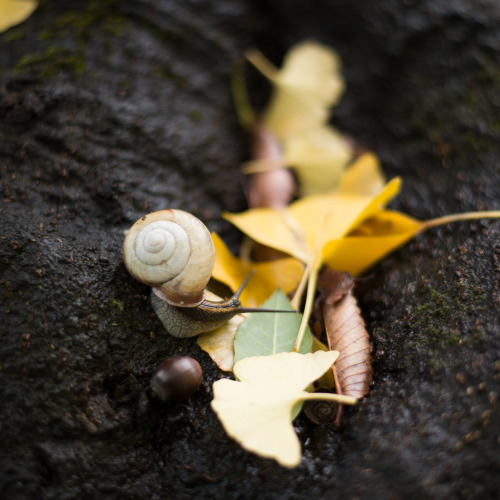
column 52, row 62
column 14, row 34
column 115, row 304
column 195, row 115
column 78, row 27
column 435, row 328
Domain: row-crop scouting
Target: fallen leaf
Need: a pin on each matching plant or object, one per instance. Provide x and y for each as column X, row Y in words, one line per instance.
column 269, row 333
column 304, row 89
column 219, row 344
column 274, row 188
column 13, row 12
column 369, row 242
column 306, row 86
column 269, row 183
column 296, row 229
column 346, row 333
column 269, row 276
column 318, row 157
column 257, row 410
column 364, row 176
column 314, row 69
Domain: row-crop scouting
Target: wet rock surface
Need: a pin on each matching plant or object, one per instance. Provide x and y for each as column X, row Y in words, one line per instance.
column 109, row 111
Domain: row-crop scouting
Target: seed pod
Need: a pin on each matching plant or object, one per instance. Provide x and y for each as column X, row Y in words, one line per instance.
column 176, row 379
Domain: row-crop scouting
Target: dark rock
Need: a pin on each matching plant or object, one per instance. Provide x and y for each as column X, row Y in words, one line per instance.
column 108, row 111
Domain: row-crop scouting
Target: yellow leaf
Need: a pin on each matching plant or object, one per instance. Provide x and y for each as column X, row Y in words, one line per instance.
column 314, row 69
column 308, row 83
column 304, row 89
column 13, row 12
column 364, row 176
column 291, row 113
column 318, row 156
column 257, row 411
column 370, row 242
column 269, row 276
column 219, row 343
column 337, row 213
column 296, row 229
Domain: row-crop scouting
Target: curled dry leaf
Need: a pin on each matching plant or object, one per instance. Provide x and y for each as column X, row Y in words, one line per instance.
column 272, row 188
column 269, row 183
column 346, row 333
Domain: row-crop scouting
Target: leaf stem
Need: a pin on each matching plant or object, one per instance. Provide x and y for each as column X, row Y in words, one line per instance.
column 311, row 290
column 244, row 110
column 439, row 221
column 313, row 267
column 260, row 62
column 345, row 400
column 299, row 292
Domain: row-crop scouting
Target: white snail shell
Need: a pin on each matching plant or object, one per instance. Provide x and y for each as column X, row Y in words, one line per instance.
column 171, row 250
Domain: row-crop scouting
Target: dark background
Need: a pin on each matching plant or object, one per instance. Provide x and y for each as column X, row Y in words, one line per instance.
column 109, row 110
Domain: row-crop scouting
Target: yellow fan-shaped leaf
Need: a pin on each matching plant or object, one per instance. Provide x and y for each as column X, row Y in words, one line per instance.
column 338, row 213
column 291, row 112
column 13, row 12
column 291, row 369
column 269, row 276
column 314, row 69
column 364, row 176
column 272, row 228
column 372, row 241
column 318, row 156
column 296, row 229
column 257, row 411
column 306, row 86
column 259, row 420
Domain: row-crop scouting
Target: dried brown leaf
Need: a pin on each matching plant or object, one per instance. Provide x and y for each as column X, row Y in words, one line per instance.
column 269, row 184
column 346, row 333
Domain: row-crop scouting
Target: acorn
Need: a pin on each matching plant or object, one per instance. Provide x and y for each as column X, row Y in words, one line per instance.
column 176, row 379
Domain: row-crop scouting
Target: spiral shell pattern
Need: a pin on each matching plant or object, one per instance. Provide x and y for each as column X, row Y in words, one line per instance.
column 171, row 250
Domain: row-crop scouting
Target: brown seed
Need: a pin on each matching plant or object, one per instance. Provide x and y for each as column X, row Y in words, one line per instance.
column 176, row 379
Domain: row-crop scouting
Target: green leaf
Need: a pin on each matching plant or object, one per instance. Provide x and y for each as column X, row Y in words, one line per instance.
column 264, row 334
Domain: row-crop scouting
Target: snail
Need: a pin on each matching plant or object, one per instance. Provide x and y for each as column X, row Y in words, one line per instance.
column 172, row 251
column 321, row 411
column 175, row 379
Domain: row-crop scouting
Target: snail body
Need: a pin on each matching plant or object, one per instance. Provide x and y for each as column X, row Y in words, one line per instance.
column 185, row 322
column 173, row 251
